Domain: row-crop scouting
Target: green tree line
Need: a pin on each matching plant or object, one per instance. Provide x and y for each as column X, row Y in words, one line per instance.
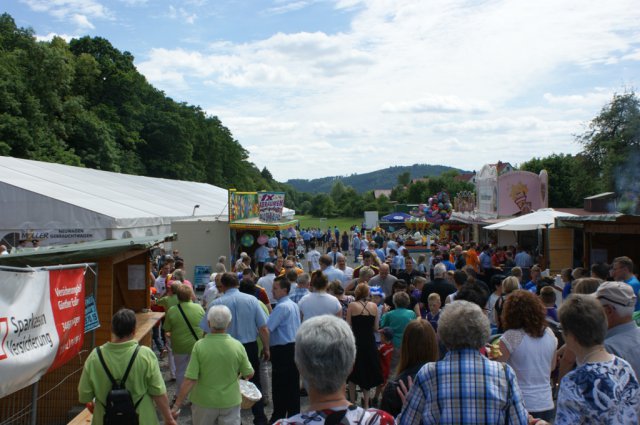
column 84, row 103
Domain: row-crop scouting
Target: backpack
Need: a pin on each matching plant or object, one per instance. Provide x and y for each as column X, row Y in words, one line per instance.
column 119, row 408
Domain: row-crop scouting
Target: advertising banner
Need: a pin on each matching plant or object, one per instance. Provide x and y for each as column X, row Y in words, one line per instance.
column 271, row 205
column 41, row 324
column 243, row 205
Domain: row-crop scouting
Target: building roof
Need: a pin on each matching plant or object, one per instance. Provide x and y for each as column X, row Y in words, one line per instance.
column 378, row 192
column 80, row 252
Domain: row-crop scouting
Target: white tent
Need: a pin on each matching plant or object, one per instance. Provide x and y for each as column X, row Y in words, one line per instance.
column 543, row 218
column 60, row 203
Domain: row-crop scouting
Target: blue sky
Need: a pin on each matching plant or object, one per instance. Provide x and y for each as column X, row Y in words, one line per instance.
column 313, row 88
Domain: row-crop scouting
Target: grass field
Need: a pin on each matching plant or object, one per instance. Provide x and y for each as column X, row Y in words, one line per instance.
column 343, row 223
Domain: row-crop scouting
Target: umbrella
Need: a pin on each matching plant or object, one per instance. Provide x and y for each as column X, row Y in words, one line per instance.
column 396, row 217
column 541, row 219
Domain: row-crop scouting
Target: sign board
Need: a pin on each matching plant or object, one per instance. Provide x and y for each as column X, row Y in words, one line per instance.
column 201, row 276
column 91, row 321
column 243, row 205
column 42, row 317
column 270, row 206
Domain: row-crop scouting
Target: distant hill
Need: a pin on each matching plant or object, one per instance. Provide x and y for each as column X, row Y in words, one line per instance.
column 381, row 179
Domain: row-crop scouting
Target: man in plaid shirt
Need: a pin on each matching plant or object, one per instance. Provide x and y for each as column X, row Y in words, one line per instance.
column 465, row 387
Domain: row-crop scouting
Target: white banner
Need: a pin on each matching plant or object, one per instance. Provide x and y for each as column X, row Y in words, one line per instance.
column 37, row 334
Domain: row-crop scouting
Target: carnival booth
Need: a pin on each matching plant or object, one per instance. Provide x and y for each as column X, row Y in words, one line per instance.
column 555, row 244
column 254, row 217
column 60, row 300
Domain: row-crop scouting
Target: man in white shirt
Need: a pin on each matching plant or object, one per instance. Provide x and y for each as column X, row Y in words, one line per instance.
column 331, row 272
column 161, row 281
column 346, row 270
column 266, row 281
column 313, row 258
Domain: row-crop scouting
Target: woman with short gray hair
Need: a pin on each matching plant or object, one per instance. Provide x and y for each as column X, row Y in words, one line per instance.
column 603, row 389
column 464, row 387
column 212, row 374
column 325, row 353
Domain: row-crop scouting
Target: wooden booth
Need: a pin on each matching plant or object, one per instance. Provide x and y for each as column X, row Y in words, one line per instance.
column 603, row 237
column 118, row 276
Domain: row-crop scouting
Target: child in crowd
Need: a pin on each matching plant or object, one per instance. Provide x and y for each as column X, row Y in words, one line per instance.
column 418, row 284
column 433, row 315
column 548, row 297
column 385, row 352
column 565, row 275
column 377, row 297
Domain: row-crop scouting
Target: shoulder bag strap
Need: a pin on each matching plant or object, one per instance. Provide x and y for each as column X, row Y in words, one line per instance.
column 133, row 357
column 506, row 376
column 188, row 324
column 104, row 365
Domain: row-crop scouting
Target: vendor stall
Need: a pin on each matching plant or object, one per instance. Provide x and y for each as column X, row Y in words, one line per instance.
column 253, row 217
column 122, row 270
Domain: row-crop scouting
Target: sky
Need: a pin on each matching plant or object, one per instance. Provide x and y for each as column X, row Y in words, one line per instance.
column 315, row 88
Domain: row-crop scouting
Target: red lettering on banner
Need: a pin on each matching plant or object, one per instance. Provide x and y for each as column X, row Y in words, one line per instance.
column 4, row 332
column 67, row 302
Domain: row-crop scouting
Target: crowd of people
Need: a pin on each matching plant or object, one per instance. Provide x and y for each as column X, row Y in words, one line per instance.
column 463, row 333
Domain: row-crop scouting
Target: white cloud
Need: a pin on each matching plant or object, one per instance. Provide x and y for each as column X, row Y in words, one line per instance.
column 77, row 11
column 437, row 104
column 50, row 36
column 135, row 2
column 579, row 100
column 409, row 78
column 289, row 6
column 281, row 60
column 182, row 14
column 82, row 22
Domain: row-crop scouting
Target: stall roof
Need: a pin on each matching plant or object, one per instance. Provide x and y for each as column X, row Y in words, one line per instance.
column 79, row 252
column 257, row 224
column 126, row 200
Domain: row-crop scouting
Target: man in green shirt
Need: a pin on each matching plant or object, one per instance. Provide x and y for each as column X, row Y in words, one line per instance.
column 216, row 361
column 144, row 382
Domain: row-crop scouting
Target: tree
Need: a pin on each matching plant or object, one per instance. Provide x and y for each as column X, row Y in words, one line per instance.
column 404, row 179
column 612, row 138
column 563, row 170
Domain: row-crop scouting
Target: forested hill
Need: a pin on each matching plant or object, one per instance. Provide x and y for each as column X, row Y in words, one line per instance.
column 380, row 179
column 84, row 103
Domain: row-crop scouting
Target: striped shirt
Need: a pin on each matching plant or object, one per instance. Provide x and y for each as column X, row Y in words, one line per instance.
column 464, row 388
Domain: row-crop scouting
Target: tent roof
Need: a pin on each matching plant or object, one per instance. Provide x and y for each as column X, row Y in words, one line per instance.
column 80, row 252
column 539, row 219
column 116, row 195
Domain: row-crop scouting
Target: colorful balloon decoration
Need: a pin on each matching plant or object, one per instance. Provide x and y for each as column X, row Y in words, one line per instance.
column 439, row 208
column 247, row 240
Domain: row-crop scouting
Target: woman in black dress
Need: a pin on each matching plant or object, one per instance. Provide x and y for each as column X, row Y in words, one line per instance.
column 344, row 243
column 362, row 315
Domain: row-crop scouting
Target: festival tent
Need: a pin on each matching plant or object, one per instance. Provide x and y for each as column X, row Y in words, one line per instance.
column 57, row 203
column 543, row 218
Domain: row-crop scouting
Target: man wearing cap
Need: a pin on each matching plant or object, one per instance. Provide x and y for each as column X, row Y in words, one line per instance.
column 367, row 260
column 622, row 271
column 623, row 336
